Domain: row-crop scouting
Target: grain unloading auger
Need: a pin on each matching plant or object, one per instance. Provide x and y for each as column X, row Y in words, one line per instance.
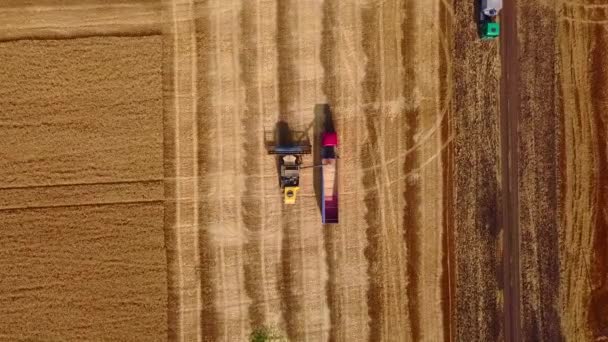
column 289, row 151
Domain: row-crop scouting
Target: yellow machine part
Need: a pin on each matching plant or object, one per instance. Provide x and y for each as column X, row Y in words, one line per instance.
column 290, row 194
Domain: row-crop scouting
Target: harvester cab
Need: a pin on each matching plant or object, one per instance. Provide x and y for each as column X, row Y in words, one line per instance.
column 289, row 151
column 489, row 28
column 290, row 177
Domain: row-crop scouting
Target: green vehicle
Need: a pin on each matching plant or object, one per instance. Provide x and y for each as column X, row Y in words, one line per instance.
column 489, row 28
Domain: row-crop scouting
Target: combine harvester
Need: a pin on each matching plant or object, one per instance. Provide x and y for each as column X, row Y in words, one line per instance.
column 329, row 177
column 489, row 28
column 289, row 158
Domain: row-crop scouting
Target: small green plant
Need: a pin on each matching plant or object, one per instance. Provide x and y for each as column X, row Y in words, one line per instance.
column 265, row 334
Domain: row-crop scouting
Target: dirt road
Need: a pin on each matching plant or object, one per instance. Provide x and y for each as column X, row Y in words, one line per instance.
column 509, row 129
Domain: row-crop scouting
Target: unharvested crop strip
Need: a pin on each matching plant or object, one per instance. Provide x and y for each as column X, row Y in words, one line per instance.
column 80, row 21
column 411, row 194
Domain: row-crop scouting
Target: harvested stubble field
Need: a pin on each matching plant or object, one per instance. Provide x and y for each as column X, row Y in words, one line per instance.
column 137, row 200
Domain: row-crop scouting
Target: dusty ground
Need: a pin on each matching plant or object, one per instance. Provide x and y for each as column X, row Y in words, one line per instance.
column 81, row 190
